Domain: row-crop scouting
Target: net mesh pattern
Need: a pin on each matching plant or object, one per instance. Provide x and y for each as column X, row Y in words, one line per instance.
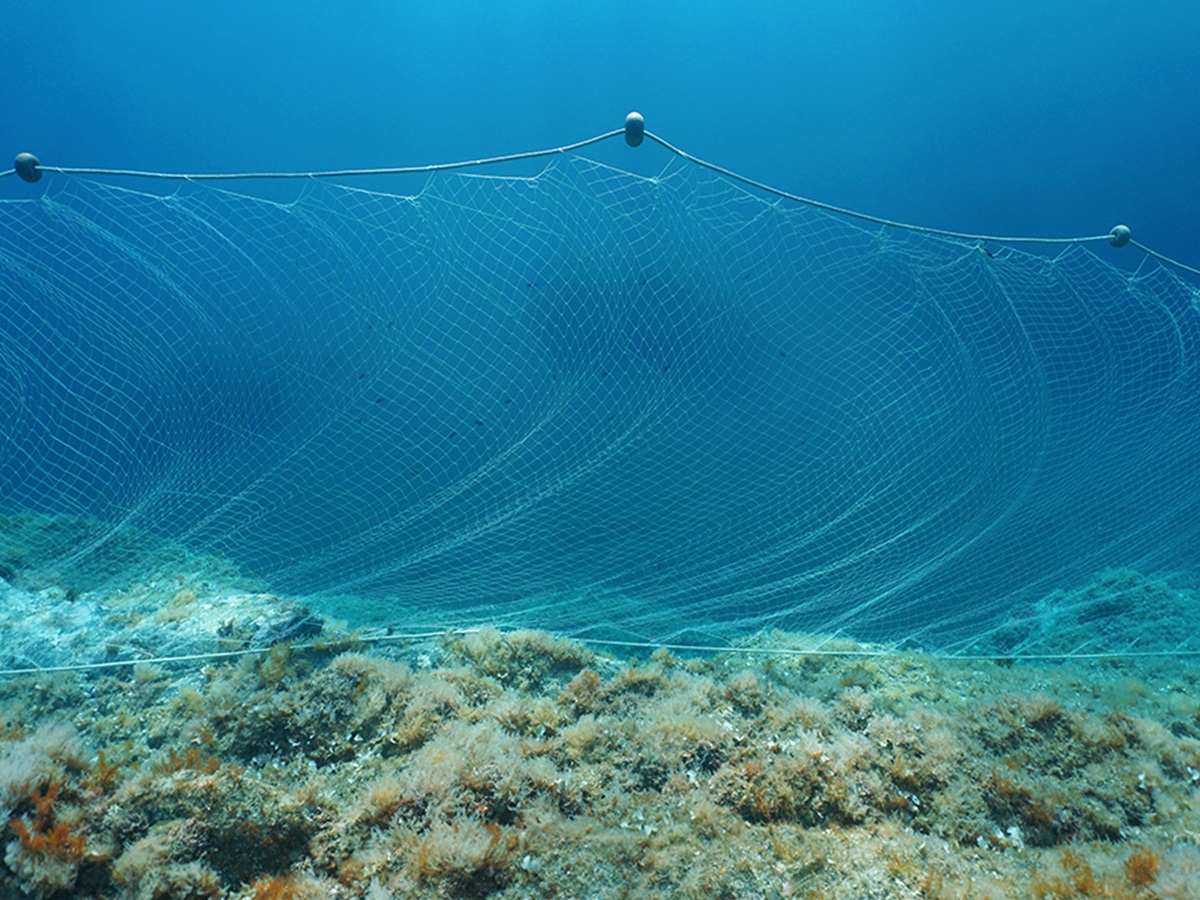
column 594, row 402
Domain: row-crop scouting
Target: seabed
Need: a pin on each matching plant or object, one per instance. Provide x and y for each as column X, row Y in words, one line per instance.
column 520, row 764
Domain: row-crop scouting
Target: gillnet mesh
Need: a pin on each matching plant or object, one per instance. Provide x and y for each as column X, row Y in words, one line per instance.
column 598, row 403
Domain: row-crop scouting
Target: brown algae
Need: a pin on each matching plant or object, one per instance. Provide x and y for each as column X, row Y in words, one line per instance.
column 521, row 764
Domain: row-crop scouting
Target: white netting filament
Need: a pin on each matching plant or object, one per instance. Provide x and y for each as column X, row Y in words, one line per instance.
column 595, row 402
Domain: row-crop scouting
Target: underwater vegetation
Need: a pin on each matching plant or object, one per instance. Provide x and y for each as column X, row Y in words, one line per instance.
column 520, row 764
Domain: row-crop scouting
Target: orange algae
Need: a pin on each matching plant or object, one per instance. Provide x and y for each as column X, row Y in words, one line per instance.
column 43, row 838
column 1141, row 868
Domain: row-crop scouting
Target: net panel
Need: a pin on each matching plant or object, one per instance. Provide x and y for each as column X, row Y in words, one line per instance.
column 594, row 402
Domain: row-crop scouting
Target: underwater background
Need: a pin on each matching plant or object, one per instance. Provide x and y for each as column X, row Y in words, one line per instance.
column 1054, row 118
column 590, row 534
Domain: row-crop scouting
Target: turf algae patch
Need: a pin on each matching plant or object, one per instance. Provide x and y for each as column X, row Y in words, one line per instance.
column 510, row 765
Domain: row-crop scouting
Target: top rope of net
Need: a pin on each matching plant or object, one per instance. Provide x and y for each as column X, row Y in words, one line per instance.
column 27, row 167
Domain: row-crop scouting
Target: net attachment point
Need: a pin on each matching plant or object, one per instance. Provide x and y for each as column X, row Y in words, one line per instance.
column 26, row 166
column 635, row 129
column 1119, row 236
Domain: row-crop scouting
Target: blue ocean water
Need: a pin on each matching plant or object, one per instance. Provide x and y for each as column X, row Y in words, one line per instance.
column 738, row 425
column 1032, row 117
